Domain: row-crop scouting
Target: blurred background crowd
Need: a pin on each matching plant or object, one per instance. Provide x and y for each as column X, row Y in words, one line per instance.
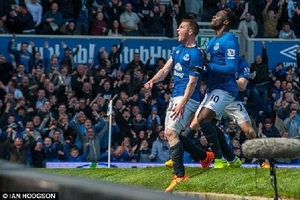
column 55, row 110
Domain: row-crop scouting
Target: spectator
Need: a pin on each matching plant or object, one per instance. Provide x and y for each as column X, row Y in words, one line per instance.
column 69, row 28
column 155, row 23
column 68, row 10
column 6, row 69
column 173, row 17
column 36, row 10
column 296, row 21
column 38, row 155
column 153, row 118
column 114, row 10
column 12, row 89
column 124, row 122
column 292, row 123
column 270, row 20
column 73, row 155
column 267, row 129
column 144, row 152
column 130, row 21
column 114, row 56
column 114, row 135
column 118, row 155
column 82, row 15
column 135, row 64
column 259, row 82
column 35, row 59
column 52, row 20
column 143, row 10
column 249, row 26
column 160, row 152
column 193, row 8
column 94, row 141
column 129, row 149
column 52, row 151
column 286, row 32
column 139, row 124
column 67, row 57
column 4, row 10
column 17, row 150
column 20, row 56
column 115, row 29
column 99, row 26
column 3, row 28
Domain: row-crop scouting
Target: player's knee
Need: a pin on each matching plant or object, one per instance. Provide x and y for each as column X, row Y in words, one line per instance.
column 202, row 119
column 171, row 135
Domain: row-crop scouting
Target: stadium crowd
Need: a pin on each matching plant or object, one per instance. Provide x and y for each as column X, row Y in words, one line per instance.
column 55, row 110
column 257, row 18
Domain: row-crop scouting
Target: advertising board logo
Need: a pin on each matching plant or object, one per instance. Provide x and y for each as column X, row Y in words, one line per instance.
column 290, row 52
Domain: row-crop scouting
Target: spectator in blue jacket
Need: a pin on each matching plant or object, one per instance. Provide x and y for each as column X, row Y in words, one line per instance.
column 72, row 154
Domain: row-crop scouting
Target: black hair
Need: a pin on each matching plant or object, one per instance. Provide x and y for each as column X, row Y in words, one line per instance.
column 231, row 17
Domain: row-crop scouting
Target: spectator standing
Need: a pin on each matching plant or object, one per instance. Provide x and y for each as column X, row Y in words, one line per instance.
column 114, row 10
column 155, row 23
column 296, row 21
column 73, row 155
column 82, row 15
column 67, row 9
column 67, row 57
column 249, row 26
column 270, row 20
column 130, row 21
column 20, row 56
column 17, row 149
column 259, row 82
column 36, row 11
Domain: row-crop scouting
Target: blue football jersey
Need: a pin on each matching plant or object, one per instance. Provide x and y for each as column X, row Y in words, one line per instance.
column 243, row 72
column 222, row 56
column 186, row 62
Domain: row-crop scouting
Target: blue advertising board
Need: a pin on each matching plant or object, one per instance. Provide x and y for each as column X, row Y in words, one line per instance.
column 278, row 51
column 89, row 46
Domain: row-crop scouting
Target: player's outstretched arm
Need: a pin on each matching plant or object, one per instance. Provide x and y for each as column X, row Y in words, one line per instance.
column 161, row 74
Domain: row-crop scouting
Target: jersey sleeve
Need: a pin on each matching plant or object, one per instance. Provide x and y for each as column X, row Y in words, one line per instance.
column 196, row 63
column 231, row 53
column 244, row 69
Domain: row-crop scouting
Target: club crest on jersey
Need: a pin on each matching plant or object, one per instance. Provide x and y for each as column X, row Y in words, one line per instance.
column 216, row 47
column 178, row 67
column 231, row 53
column 186, row 57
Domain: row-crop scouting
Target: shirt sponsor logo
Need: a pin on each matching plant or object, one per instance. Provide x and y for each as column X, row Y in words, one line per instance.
column 216, row 47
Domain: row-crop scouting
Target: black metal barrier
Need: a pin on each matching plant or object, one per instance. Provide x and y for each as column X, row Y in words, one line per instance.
column 16, row 178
